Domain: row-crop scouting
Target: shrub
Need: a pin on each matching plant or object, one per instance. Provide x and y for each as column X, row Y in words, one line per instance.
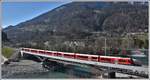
column 7, row 52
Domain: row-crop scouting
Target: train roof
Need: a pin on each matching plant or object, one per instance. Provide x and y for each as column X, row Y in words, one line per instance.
column 86, row 54
column 112, row 57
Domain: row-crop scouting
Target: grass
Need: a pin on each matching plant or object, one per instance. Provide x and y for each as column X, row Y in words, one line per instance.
column 7, row 52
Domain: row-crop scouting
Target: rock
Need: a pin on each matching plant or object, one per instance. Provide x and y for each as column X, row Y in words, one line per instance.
column 7, row 62
column 14, row 60
column 16, row 56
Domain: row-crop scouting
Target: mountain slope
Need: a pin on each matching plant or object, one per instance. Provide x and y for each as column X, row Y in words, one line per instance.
column 4, row 37
column 78, row 20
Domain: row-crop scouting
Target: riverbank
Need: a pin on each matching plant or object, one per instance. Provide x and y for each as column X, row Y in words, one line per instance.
column 22, row 69
column 27, row 69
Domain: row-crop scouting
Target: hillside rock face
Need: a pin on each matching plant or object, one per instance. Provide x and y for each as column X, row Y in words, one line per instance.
column 78, row 20
column 4, row 37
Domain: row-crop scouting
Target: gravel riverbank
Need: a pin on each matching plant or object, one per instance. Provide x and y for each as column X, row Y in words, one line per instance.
column 22, row 69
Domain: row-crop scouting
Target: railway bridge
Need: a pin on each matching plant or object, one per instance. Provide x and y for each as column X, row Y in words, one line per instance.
column 110, row 68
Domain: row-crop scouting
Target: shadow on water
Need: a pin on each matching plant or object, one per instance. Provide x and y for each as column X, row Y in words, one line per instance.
column 63, row 72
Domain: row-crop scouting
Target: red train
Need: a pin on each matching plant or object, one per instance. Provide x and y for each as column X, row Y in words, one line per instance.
column 87, row 57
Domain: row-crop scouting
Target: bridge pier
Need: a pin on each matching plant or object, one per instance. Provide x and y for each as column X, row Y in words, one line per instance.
column 21, row 54
column 111, row 75
column 53, row 65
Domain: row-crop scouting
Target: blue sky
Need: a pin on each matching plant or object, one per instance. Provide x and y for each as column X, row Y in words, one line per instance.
column 16, row 12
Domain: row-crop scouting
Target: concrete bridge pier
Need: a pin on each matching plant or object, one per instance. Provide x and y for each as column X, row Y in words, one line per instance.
column 103, row 73
column 21, row 54
column 52, row 65
column 111, row 75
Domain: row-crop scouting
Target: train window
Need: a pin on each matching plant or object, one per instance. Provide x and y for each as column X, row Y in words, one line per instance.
column 49, row 53
column 41, row 52
column 122, row 60
column 83, row 56
column 34, row 51
column 105, row 59
column 55, row 54
column 94, row 57
column 102, row 58
column 59, row 54
column 69, row 55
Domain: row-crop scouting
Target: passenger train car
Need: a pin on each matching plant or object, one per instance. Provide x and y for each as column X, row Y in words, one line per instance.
column 87, row 57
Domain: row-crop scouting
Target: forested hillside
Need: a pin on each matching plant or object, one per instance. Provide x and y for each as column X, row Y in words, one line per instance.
column 81, row 20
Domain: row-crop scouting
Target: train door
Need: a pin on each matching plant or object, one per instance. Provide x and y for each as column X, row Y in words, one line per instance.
column 116, row 61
